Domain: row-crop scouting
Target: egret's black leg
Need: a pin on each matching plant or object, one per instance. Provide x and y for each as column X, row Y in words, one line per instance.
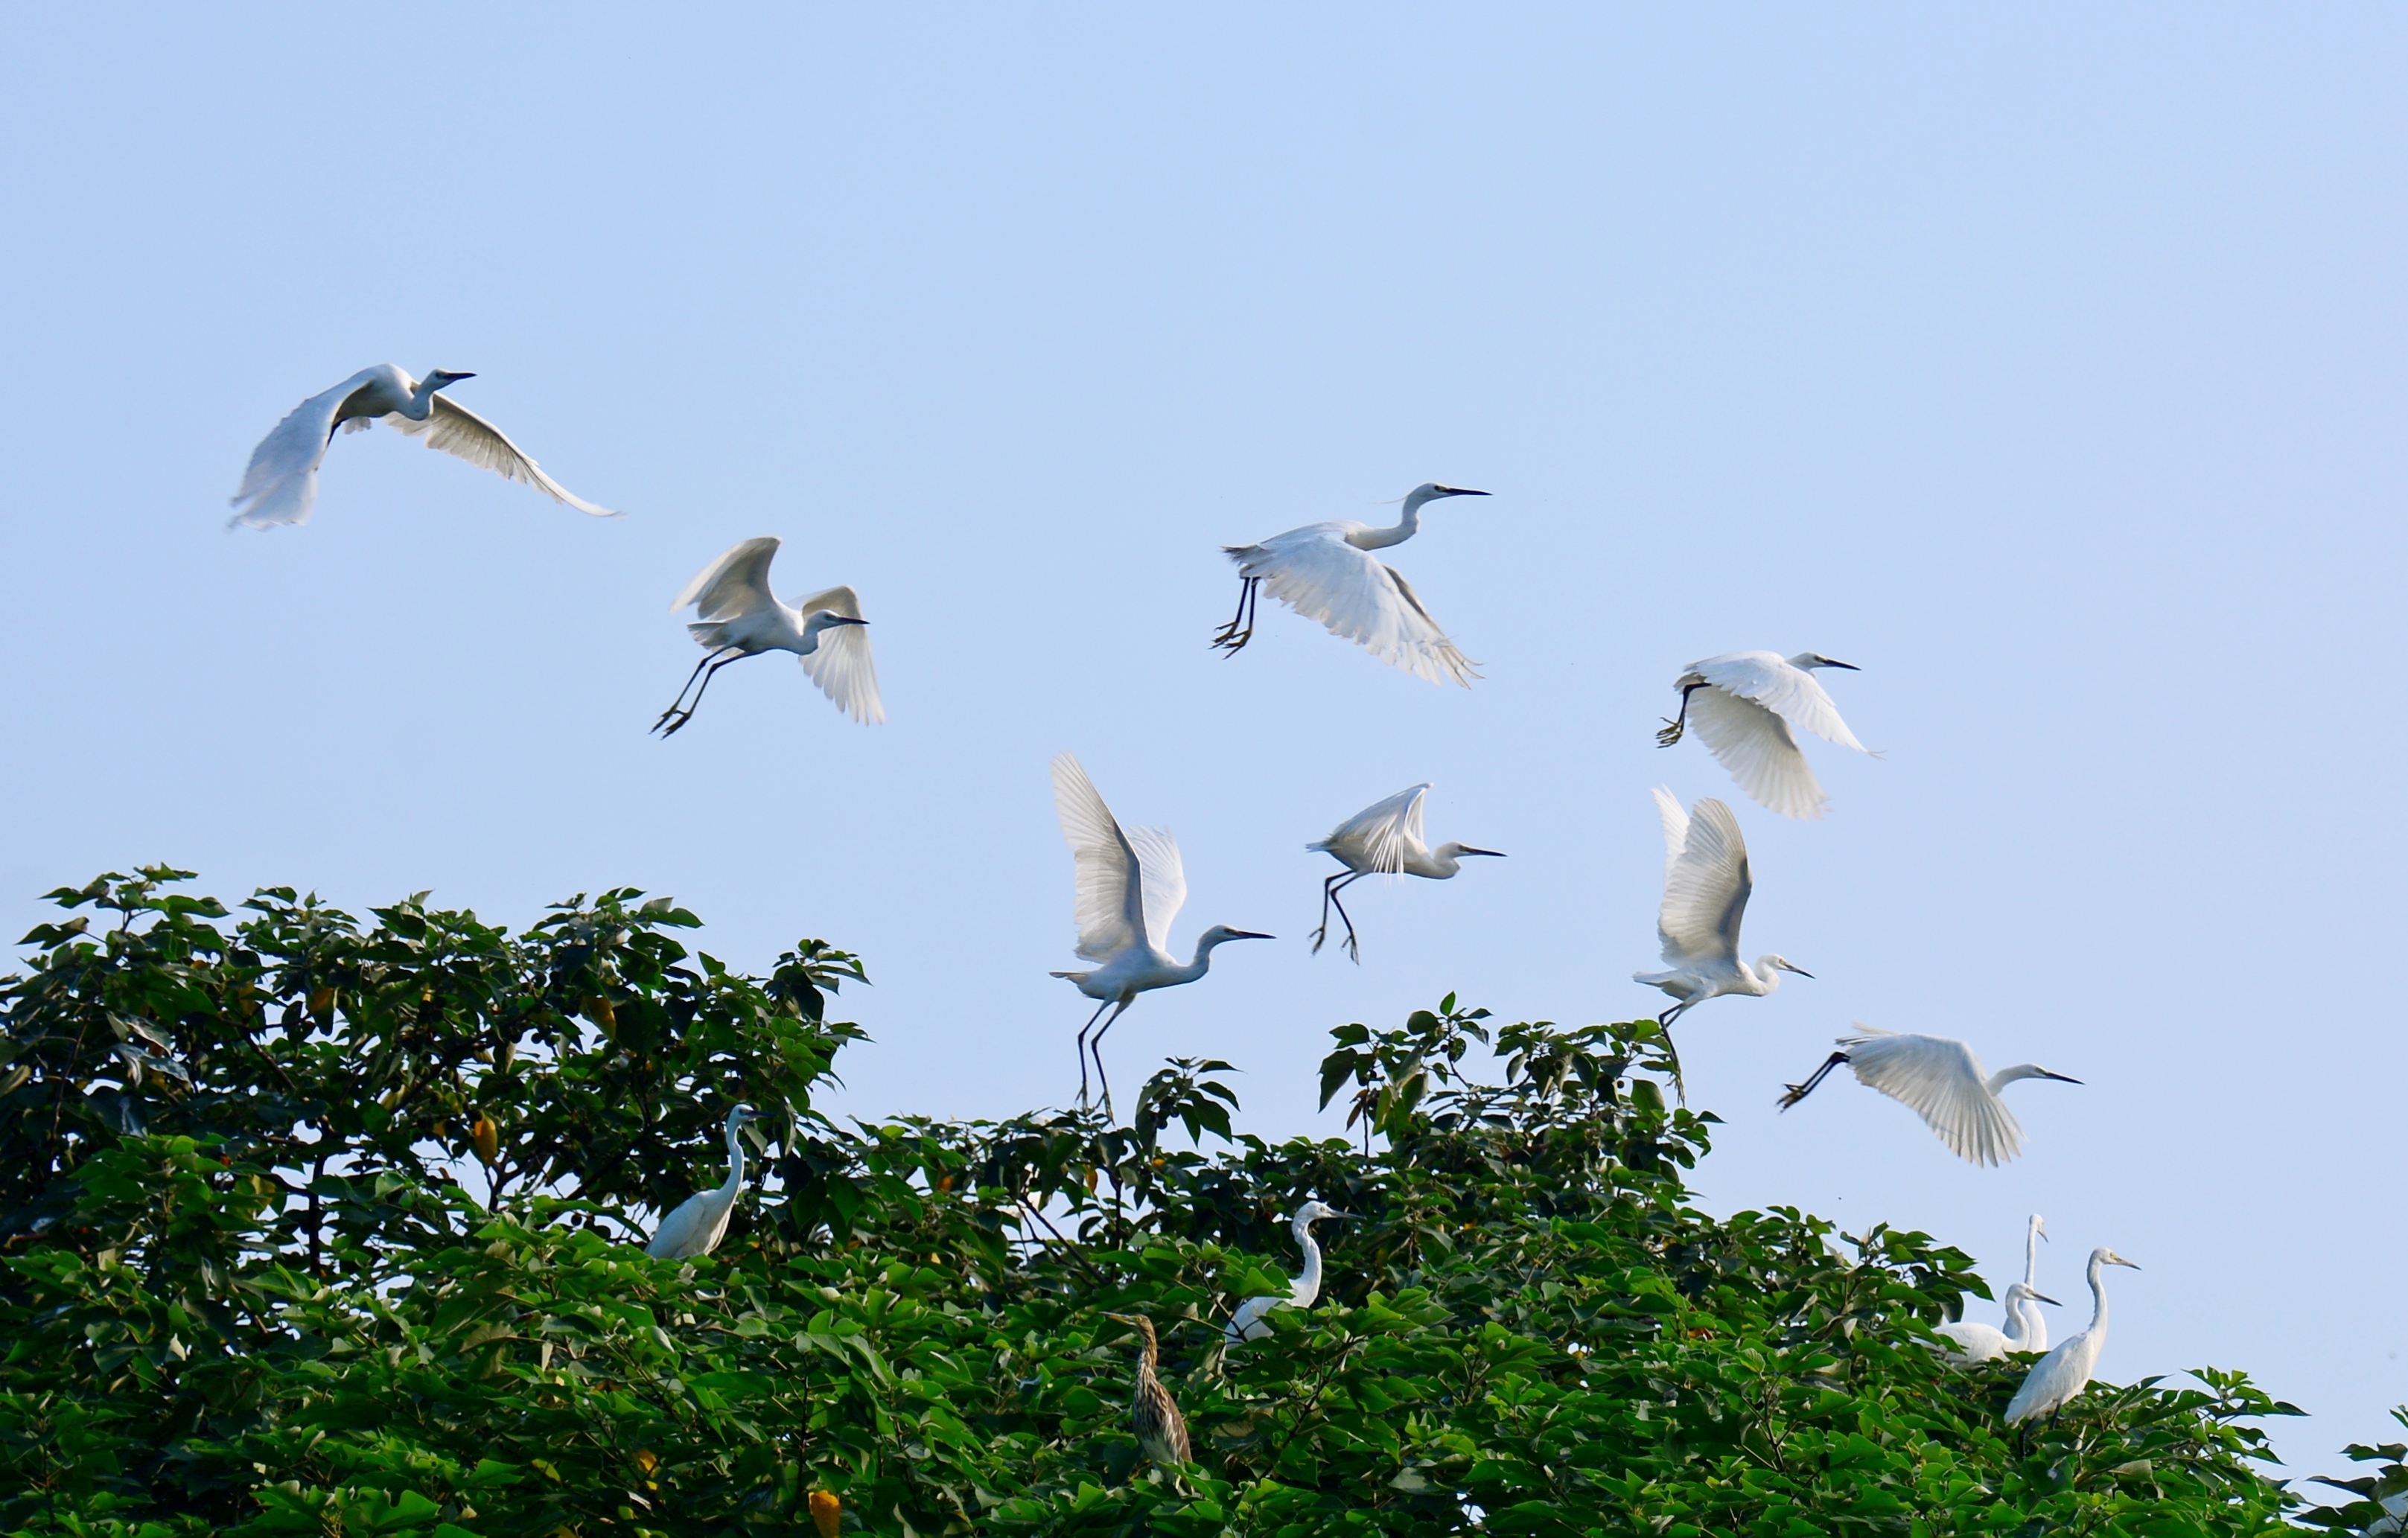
column 1799, row 1091
column 1095, row 1049
column 1680, row 1083
column 1083, row 1048
column 1329, row 891
column 692, row 704
column 1240, row 628
column 1673, row 728
column 1353, row 947
column 707, row 658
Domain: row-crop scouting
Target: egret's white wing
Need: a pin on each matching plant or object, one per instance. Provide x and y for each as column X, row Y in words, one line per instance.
column 1313, row 571
column 1782, row 687
column 460, row 432
column 1163, row 882
column 280, row 483
column 1760, row 752
column 1386, row 829
column 1942, row 1081
column 1110, row 907
column 737, row 583
column 1706, row 890
column 840, row 663
column 1676, row 828
column 1975, row 1342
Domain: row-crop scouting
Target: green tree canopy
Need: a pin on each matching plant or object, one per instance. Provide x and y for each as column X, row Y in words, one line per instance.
column 315, row 1227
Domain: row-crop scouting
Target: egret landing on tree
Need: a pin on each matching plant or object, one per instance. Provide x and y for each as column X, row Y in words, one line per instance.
column 280, row 484
column 1706, row 888
column 1941, row 1080
column 1326, row 571
column 1130, row 886
column 1745, row 704
column 741, row 617
column 1384, row 839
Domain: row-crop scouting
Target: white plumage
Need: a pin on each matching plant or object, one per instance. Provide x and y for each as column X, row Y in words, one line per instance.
column 739, row 616
column 1247, row 1323
column 696, row 1224
column 1744, row 705
column 2057, row 1378
column 1326, row 571
column 1130, row 885
column 280, row 484
column 1987, row 1341
column 1941, row 1080
column 1706, row 888
column 1385, row 838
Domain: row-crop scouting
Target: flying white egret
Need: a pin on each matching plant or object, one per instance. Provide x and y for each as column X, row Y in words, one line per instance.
column 1384, row 839
column 1987, row 1342
column 741, row 617
column 2064, row 1372
column 1745, row 704
column 281, row 481
column 1130, row 887
column 696, row 1224
column 1326, row 571
column 1247, row 1323
column 1706, row 888
column 1941, row 1080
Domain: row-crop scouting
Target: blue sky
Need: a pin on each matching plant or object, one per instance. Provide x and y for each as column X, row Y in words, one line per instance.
column 2044, row 362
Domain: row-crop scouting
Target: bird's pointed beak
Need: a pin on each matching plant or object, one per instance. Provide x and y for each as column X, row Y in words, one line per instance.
column 1850, row 666
column 2061, row 1078
column 1460, row 491
column 1799, row 970
column 1493, row 854
column 2123, row 1262
column 453, row 375
column 1250, row 934
column 2043, row 1297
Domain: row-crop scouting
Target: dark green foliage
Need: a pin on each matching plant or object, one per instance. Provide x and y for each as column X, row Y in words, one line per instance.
column 245, row 1290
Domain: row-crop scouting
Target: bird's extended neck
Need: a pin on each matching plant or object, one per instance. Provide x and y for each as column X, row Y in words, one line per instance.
column 735, row 1163
column 1307, row 1281
column 2005, row 1076
column 1766, row 975
column 1203, row 961
column 422, row 400
column 2098, row 1297
column 2031, row 1252
column 1405, row 527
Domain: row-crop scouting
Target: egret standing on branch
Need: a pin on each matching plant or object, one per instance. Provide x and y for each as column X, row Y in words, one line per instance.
column 1987, row 1342
column 1745, row 704
column 1706, row 888
column 1384, row 839
column 1326, row 571
column 2065, row 1372
column 1130, row 886
column 2035, row 1331
column 1247, row 1323
column 281, row 482
column 741, row 617
column 698, row 1224
column 1941, row 1080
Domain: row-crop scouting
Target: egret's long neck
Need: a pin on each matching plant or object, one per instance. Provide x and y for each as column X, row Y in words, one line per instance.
column 2005, row 1076
column 2018, row 1324
column 1202, row 963
column 2031, row 1255
column 1307, row 1281
column 1406, row 527
column 734, row 1164
column 2098, row 1299
column 1768, row 977
column 422, row 402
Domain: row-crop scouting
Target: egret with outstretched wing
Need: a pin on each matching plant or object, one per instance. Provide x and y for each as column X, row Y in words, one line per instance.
column 1744, row 706
column 1706, row 889
column 1941, row 1080
column 738, row 617
column 1385, row 838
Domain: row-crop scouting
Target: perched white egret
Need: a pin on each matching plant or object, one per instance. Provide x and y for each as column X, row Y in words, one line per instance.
column 1987, row 1342
column 1745, row 704
column 2034, row 1336
column 2064, row 1372
column 1706, row 888
column 1384, row 839
column 696, row 1224
column 281, row 481
column 1326, row 571
column 741, row 617
column 1941, row 1080
column 1130, row 887
column 1247, row 1323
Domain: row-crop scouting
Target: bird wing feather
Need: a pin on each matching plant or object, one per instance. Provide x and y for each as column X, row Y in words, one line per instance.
column 1760, row 752
column 1782, row 687
column 1387, row 830
column 692, row 1227
column 1706, row 888
column 280, row 483
column 1676, row 828
column 1975, row 1342
column 1110, row 907
column 1941, row 1080
column 461, row 433
column 1162, row 880
column 1313, row 571
column 841, row 664
column 735, row 583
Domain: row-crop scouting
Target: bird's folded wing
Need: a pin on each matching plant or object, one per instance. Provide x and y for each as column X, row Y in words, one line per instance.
column 1789, row 691
column 840, row 663
column 1386, row 829
column 1109, row 906
column 735, row 583
column 280, row 483
column 1321, row 577
column 1706, row 890
column 1942, row 1081
column 1162, row 880
column 1760, row 752
column 460, row 432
